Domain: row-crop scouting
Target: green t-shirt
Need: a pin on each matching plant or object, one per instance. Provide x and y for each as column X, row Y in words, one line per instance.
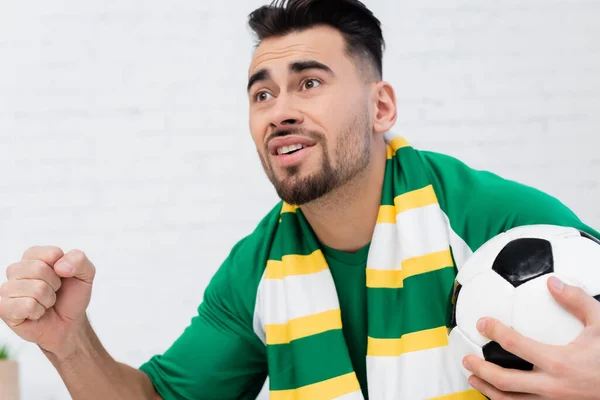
column 219, row 356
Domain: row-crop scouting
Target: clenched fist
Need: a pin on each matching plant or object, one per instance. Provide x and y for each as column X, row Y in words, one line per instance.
column 46, row 295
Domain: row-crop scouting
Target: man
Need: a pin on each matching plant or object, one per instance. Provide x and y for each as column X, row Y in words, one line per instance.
column 344, row 288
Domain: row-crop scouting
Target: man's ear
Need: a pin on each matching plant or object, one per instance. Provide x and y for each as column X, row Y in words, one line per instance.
column 385, row 112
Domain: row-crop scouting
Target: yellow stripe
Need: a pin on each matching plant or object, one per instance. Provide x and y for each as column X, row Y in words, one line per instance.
column 417, row 341
column 407, row 201
column 427, row 263
column 325, row 390
column 288, row 208
column 302, row 327
column 380, row 278
column 398, row 143
column 387, row 215
column 389, row 152
column 415, row 199
column 394, row 279
column 470, row 394
column 295, row 264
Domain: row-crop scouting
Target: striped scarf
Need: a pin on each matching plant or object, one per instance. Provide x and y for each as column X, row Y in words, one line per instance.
column 410, row 276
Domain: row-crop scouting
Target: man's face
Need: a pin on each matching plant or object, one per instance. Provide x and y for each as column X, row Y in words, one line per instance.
column 309, row 113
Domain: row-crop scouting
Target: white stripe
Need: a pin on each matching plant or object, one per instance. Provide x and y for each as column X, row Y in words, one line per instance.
column 384, row 253
column 421, row 231
column 296, row 296
column 394, row 243
column 460, row 250
column 416, row 375
column 257, row 323
column 351, row 396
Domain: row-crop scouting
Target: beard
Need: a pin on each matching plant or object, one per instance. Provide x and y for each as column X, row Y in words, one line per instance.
column 352, row 150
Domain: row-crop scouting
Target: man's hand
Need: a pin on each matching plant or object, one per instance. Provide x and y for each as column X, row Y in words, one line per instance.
column 46, row 295
column 560, row 372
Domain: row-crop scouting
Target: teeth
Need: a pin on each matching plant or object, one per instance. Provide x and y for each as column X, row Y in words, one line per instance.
column 289, row 149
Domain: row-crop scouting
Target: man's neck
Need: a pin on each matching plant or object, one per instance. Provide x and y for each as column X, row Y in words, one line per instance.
column 345, row 218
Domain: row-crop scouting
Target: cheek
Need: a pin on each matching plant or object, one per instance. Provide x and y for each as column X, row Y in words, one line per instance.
column 257, row 131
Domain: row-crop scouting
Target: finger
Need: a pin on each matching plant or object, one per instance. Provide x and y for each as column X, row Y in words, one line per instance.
column 512, row 341
column 75, row 264
column 494, row 393
column 47, row 254
column 575, row 300
column 34, row 288
column 505, row 379
column 17, row 311
column 34, row 269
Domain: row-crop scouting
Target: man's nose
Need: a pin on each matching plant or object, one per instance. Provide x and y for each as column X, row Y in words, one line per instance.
column 285, row 114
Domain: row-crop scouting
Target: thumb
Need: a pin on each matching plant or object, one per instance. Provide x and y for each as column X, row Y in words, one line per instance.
column 575, row 300
column 75, row 264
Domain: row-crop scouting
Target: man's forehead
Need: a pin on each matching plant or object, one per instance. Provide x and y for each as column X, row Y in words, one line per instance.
column 321, row 44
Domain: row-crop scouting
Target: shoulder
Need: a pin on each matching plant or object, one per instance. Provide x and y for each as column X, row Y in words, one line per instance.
column 457, row 180
column 481, row 204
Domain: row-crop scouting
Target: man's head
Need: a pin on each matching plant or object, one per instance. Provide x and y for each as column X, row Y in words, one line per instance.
column 317, row 102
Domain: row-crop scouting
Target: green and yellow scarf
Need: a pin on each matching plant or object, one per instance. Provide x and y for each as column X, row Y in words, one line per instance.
column 410, row 276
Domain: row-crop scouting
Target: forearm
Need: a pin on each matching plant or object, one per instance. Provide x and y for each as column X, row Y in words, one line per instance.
column 90, row 373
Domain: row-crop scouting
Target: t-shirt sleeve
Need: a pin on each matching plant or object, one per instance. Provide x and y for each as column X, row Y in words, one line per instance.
column 218, row 356
column 480, row 204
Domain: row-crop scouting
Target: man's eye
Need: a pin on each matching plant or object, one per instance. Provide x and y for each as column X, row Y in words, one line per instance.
column 311, row 83
column 261, row 96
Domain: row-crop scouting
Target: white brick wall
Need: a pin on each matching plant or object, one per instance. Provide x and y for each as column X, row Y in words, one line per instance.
column 123, row 132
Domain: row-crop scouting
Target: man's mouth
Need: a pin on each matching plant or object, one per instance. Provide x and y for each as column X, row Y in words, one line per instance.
column 292, row 155
column 285, row 150
column 290, row 144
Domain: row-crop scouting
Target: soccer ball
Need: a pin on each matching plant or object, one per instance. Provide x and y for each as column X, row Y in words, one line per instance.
column 506, row 279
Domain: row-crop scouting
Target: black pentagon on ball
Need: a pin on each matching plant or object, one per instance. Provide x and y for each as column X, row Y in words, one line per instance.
column 494, row 353
column 524, row 259
column 455, row 298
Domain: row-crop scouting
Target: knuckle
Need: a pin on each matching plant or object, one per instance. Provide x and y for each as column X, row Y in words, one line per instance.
column 557, row 367
column 38, row 267
column 37, row 312
column 35, row 252
column 77, row 256
column 509, row 344
column 29, row 304
column 502, row 384
column 52, row 299
column 54, row 252
column 31, row 250
column 575, row 293
column 40, row 290
column 12, row 269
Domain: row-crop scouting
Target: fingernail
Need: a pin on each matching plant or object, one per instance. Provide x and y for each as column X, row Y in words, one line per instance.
column 481, row 325
column 556, row 284
column 65, row 268
column 466, row 364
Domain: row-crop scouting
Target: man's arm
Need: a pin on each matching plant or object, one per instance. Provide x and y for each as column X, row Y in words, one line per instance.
column 90, row 373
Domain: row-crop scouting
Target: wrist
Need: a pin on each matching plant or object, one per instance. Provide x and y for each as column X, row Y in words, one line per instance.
column 78, row 343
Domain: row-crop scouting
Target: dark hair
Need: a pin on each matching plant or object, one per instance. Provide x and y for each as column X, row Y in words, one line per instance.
column 359, row 27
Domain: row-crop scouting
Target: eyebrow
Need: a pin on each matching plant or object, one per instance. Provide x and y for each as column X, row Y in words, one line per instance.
column 295, row 67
